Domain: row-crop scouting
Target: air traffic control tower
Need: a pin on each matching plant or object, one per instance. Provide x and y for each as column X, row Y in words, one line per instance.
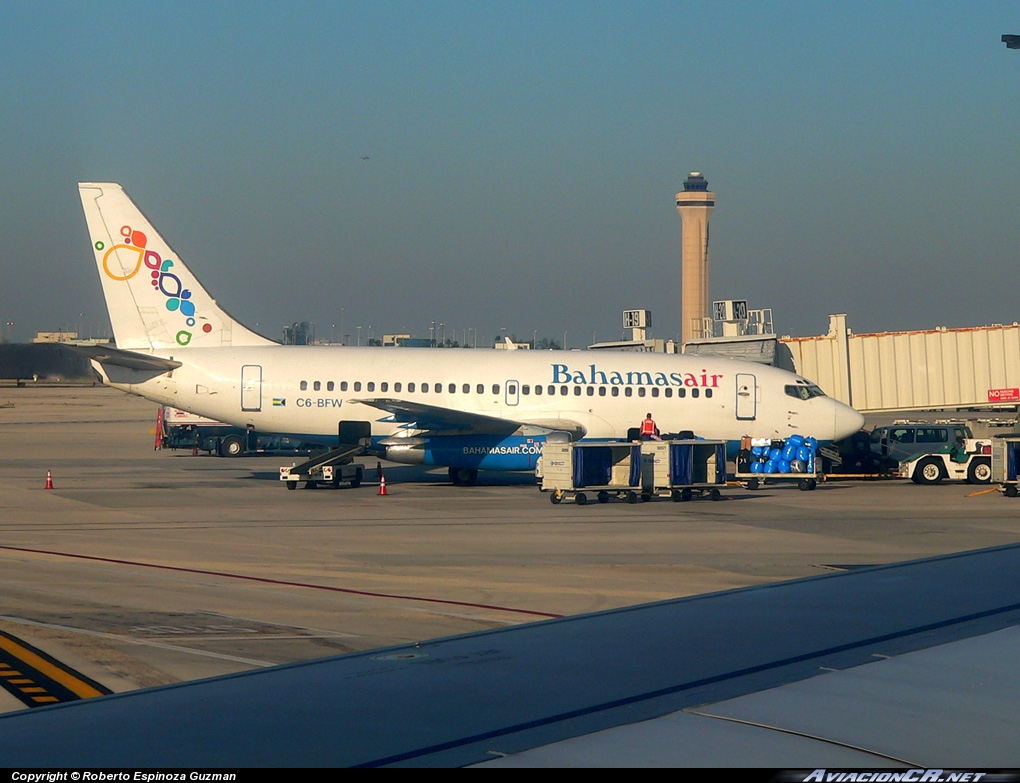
column 694, row 203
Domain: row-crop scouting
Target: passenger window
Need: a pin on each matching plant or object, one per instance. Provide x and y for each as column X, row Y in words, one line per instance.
column 317, row 386
column 695, row 391
column 681, row 392
column 410, row 388
column 641, row 392
column 563, row 390
column 538, row 390
column 371, row 386
column 525, row 389
column 669, row 392
column 397, row 386
column 602, row 391
column 304, row 385
column 329, row 385
column 628, row 392
column 577, row 391
column 655, row 391
column 551, row 389
column 591, row 391
column 357, row 386
column 452, row 388
column 480, row 388
column 424, row 388
column 616, row 391
column 466, row 388
column 511, row 389
column 384, row 386
column 708, row 392
column 495, row 389
column 438, row 387
column 343, row 385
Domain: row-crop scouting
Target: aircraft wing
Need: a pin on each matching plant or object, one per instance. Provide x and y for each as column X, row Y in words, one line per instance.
column 438, row 419
column 907, row 664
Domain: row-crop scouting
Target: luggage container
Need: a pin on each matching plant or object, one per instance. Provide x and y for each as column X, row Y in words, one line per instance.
column 1005, row 463
column 600, row 470
column 773, row 460
column 681, row 468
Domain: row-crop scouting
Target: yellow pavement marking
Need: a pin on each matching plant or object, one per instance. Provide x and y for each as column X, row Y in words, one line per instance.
column 69, row 681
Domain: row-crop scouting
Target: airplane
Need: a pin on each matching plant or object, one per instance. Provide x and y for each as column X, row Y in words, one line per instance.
column 466, row 410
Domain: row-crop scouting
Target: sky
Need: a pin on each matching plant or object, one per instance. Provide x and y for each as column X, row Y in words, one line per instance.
column 514, row 165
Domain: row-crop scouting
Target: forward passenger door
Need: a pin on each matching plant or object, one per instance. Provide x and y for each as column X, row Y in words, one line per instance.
column 747, row 397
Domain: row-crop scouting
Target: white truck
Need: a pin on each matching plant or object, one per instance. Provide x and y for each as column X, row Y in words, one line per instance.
column 969, row 459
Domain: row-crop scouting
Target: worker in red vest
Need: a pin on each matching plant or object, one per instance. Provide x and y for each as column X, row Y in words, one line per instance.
column 648, row 429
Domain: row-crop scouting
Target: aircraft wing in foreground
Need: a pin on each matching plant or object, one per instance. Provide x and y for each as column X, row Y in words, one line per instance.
column 909, row 664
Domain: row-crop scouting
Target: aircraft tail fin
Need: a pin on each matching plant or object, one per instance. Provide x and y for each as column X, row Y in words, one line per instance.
column 154, row 300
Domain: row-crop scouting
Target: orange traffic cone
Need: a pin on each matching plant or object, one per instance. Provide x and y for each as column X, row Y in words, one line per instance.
column 382, row 485
column 194, row 452
column 49, row 480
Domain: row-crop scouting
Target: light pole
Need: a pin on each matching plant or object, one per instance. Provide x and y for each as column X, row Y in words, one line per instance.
column 564, row 339
column 342, row 340
column 359, row 336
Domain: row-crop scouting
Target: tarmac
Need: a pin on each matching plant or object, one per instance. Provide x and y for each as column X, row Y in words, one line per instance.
column 144, row 567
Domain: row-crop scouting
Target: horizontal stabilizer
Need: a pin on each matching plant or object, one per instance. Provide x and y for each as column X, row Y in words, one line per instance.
column 115, row 357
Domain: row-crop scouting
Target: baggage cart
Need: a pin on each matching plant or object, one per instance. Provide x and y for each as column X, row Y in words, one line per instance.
column 599, row 470
column 682, row 468
column 758, row 462
column 1005, row 464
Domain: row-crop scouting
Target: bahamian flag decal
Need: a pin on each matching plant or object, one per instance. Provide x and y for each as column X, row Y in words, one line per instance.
column 279, row 402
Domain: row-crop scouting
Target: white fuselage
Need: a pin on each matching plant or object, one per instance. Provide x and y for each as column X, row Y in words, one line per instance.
column 309, row 390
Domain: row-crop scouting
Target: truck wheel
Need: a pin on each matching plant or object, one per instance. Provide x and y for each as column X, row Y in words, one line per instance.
column 231, row 446
column 1010, row 490
column 580, row 498
column 686, row 495
column 715, row 494
column 291, row 485
column 603, row 497
column 753, row 484
column 675, row 496
column 928, row 471
column 979, row 472
column 555, row 497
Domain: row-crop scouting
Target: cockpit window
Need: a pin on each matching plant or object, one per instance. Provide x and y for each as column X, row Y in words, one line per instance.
column 803, row 392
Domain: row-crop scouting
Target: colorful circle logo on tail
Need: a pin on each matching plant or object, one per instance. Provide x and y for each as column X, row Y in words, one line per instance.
column 178, row 298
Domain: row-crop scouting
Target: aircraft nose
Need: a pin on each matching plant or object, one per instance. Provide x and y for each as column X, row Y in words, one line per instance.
column 847, row 421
